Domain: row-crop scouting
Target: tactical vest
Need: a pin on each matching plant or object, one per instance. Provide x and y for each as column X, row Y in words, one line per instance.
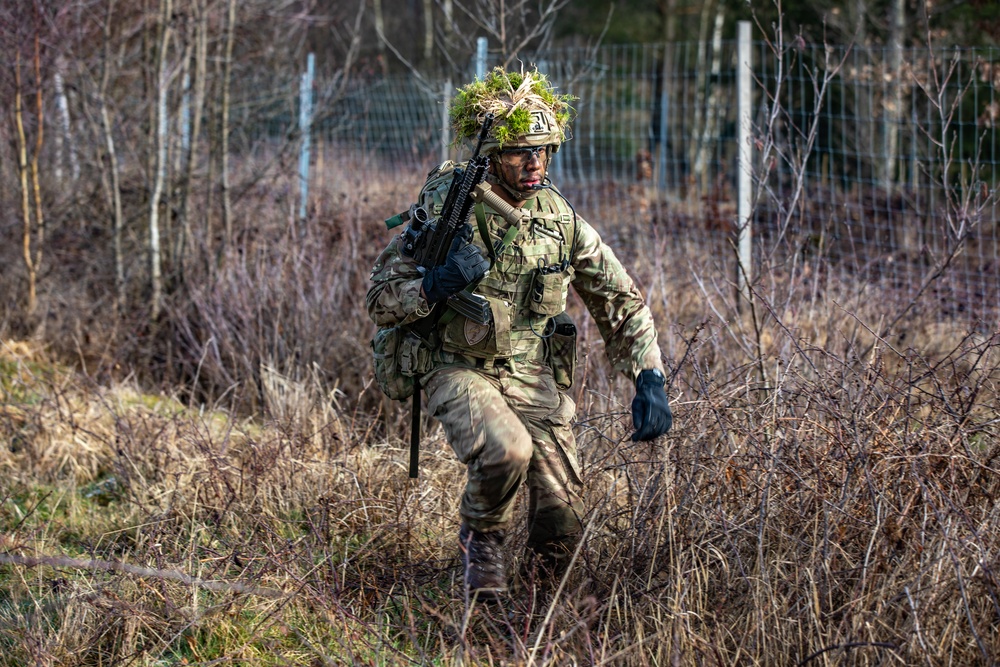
column 527, row 284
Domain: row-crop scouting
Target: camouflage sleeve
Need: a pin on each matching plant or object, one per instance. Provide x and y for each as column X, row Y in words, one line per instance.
column 621, row 314
column 394, row 298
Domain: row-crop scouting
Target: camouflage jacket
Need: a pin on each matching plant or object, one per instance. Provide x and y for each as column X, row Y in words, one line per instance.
column 527, row 284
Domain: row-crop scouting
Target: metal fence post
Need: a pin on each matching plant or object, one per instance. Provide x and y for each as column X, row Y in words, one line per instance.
column 481, row 53
column 664, row 126
column 305, row 128
column 744, row 170
column 445, row 125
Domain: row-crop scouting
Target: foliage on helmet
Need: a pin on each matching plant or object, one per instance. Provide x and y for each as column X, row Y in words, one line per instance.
column 514, row 99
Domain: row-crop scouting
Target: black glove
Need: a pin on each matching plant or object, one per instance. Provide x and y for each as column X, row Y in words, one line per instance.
column 464, row 265
column 650, row 410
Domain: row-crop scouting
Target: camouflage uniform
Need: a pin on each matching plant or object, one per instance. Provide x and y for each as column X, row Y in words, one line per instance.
column 490, row 387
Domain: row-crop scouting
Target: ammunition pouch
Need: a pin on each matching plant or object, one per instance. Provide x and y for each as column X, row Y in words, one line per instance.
column 548, row 292
column 400, row 356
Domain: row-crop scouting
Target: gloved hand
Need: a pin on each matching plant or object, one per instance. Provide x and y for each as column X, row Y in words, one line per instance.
column 464, row 265
column 651, row 414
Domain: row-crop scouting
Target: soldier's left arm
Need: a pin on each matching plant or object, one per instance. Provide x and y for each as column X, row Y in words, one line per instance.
column 618, row 308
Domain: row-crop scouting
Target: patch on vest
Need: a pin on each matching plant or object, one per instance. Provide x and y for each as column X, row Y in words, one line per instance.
column 475, row 332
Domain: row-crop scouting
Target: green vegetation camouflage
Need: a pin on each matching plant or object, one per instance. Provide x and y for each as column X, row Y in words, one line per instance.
column 527, row 111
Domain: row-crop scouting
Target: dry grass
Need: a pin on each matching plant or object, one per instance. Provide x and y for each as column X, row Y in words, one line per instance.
column 826, row 496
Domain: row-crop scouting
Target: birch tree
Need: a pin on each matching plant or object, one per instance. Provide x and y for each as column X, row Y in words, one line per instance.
column 199, row 77
column 110, row 178
column 709, row 135
column 31, row 302
column 66, row 149
column 227, row 73
column 894, row 97
column 160, row 166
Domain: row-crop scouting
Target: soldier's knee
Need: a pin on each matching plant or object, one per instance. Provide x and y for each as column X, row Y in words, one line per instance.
column 518, row 453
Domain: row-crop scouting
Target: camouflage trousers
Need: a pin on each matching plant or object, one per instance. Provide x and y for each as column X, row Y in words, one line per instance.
column 509, row 426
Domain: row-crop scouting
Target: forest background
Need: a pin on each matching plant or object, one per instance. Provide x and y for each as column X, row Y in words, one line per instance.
column 198, row 467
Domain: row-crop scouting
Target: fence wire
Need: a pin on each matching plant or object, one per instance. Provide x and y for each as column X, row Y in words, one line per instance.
column 874, row 164
column 882, row 165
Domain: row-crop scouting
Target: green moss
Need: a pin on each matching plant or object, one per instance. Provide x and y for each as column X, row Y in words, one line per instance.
column 474, row 101
column 519, row 121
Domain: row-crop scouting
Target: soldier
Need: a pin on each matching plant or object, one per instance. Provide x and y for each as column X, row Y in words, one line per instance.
column 498, row 389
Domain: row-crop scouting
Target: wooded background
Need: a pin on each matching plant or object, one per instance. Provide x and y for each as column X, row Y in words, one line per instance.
column 144, row 142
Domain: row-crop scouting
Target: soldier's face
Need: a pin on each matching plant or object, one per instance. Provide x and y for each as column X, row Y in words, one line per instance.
column 523, row 169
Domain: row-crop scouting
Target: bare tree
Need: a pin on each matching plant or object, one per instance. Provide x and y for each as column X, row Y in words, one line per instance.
column 514, row 25
column 65, row 145
column 200, row 56
column 894, row 99
column 227, row 73
column 110, row 175
column 708, row 111
column 32, row 213
column 511, row 26
column 22, row 171
column 163, row 78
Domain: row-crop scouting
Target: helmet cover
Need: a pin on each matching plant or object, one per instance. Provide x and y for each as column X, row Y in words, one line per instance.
column 527, row 111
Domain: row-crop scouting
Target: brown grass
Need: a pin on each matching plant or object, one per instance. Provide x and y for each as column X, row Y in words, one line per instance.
column 826, row 496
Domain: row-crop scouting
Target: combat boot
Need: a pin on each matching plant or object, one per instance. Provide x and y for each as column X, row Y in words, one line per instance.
column 547, row 561
column 482, row 562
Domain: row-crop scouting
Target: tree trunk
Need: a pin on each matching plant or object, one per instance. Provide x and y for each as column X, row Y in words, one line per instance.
column 428, row 31
column 227, row 213
column 710, row 131
column 700, row 88
column 448, row 8
column 380, row 33
column 39, row 134
column 864, row 56
column 109, row 173
column 64, row 138
column 894, row 96
column 197, row 109
column 160, row 165
column 22, row 173
column 663, row 111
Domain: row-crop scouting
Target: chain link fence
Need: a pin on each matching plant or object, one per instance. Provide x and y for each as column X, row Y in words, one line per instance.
column 875, row 163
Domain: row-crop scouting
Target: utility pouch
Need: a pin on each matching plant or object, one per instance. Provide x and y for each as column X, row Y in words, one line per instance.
column 399, row 356
column 560, row 349
column 480, row 340
column 548, row 290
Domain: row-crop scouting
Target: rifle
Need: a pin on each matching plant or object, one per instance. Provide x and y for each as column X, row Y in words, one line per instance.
column 427, row 241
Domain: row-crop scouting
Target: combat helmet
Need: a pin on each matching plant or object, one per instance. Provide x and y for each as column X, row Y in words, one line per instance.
column 526, row 108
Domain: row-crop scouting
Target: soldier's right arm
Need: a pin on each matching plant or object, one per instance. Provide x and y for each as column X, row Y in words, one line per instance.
column 394, row 297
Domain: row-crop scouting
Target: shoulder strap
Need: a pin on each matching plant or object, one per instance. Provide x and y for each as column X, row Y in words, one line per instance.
column 564, row 214
column 498, row 249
